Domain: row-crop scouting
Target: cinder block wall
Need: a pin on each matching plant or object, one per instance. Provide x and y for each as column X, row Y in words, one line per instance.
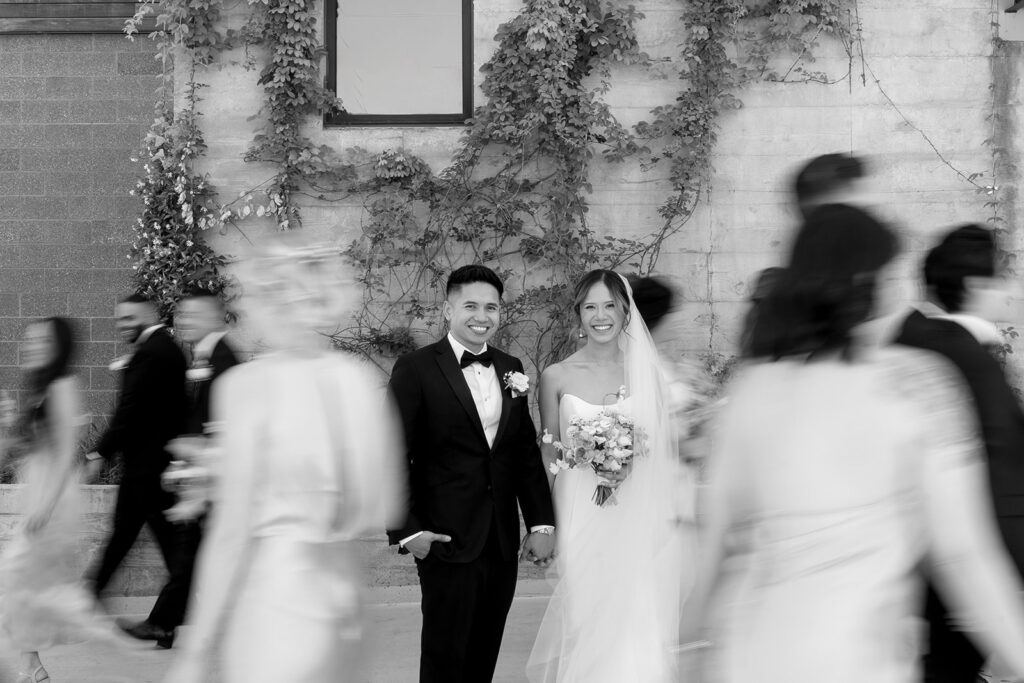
column 73, row 111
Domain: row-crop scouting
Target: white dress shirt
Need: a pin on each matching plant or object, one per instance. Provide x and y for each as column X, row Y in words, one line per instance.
column 486, row 390
column 484, row 386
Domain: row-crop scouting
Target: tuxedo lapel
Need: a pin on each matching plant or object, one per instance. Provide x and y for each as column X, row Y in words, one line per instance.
column 500, row 368
column 453, row 373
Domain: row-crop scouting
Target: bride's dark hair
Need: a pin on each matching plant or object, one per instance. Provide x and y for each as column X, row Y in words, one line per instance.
column 827, row 289
column 610, row 279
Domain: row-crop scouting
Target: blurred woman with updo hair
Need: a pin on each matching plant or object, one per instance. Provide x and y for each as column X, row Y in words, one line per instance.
column 309, row 462
column 846, row 467
column 42, row 603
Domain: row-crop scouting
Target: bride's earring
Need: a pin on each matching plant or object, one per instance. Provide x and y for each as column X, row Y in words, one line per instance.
column 581, row 334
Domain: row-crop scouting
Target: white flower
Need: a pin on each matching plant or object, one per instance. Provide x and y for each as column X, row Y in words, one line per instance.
column 517, row 383
column 547, row 438
column 120, row 363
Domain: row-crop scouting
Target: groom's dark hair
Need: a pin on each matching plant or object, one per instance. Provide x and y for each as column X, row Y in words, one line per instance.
column 467, row 275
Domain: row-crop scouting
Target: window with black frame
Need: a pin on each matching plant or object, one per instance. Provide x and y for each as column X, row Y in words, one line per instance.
column 395, row 62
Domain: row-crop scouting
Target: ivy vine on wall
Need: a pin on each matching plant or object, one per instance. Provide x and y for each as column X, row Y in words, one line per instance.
column 169, row 252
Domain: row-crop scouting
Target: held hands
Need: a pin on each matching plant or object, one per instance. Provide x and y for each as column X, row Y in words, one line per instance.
column 538, row 548
column 420, row 546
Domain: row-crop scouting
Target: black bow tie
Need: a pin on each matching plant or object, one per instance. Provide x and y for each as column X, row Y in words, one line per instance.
column 485, row 359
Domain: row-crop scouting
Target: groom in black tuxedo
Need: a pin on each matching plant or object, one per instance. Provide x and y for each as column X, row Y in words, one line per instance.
column 965, row 297
column 472, row 453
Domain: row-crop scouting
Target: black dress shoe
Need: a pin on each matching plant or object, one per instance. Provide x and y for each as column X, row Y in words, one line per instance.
column 143, row 630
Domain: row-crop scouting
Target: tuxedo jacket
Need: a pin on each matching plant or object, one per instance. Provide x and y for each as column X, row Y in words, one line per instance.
column 222, row 358
column 1000, row 416
column 458, row 485
column 150, row 407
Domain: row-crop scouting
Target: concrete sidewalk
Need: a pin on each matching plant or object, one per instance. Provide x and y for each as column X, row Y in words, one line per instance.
column 393, row 643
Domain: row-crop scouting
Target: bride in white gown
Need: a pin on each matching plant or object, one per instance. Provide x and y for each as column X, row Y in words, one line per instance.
column 622, row 567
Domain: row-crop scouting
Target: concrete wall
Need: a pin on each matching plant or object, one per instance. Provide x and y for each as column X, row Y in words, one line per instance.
column 931, row 59
column 73, row 111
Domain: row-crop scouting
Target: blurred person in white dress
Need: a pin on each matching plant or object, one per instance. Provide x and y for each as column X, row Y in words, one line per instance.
column 309, row 462
column 844, row 467
column 43, row 603
column 614, row 613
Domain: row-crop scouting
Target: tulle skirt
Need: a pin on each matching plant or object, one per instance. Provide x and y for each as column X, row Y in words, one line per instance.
column 614, row 613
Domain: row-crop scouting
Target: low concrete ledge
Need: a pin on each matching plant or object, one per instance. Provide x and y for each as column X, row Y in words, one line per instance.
column 143, row 574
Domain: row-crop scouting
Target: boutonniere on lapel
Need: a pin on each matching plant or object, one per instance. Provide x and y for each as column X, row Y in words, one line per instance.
column 517, row 383
column 120, row 363
column 199, row 372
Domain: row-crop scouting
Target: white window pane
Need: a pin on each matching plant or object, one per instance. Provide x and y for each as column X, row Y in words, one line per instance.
column 400, row 56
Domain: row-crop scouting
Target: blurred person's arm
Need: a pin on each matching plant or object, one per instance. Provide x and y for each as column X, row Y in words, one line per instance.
column 226, row 547
column 969, row 562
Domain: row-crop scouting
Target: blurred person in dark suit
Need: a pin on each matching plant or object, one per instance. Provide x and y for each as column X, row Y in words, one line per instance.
column 200, row 320
column 965, row 296
column 150, row 412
